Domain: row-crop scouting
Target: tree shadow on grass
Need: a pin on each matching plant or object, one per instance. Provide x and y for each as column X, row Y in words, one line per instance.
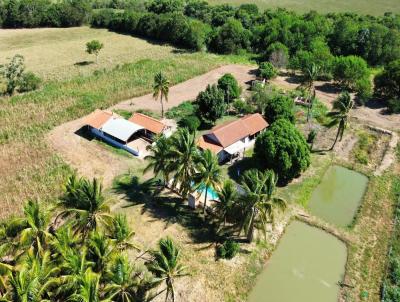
column 164, row 205
column 83, row 63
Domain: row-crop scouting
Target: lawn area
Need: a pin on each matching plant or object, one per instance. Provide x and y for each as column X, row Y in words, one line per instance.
column 61, row 52
column 29, row 168
column 378, row 7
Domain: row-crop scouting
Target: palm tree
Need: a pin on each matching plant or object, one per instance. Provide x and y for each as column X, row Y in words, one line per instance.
column 89, row 289
column 32, row 282
column 72, row 267
column 166, row 266
column 100, row 251
column 120, row 233
column 35, row 227
column 208, row 174
column 158, row 159
column 85, row 202
column 161, row 89
column 259, row 204
column 183, row 160
column 127, row 284
column 310, row 76
column 340, row 115
column 227, row 195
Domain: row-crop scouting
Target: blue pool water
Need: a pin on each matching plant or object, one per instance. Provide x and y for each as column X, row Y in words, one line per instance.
column 211, row 194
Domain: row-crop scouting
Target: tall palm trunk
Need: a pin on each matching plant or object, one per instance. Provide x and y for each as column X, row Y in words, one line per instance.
column 336, row 138
column 162, row 106
column 250, row 232
column 205, row 202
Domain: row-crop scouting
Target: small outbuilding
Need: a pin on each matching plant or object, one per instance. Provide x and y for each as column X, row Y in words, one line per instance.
column 151, row 126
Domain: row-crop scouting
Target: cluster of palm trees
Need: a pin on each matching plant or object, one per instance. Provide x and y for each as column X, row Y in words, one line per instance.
column 186, row 169
column 79, row 253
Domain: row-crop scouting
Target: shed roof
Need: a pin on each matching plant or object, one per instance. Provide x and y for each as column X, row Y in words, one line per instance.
column 148, row 122
column 120, row 128
column 98, row 118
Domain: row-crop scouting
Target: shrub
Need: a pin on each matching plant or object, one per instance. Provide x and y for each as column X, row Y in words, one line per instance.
column 394, row 105
column 230, row 86
column 267, row 71
column 191, row 122
column 211, row 104
column 279, row 107
column 165, row 6
column 283, row 149
column 228, row 249
column 28, row 82
column 387, row 83
column 183, row 109
column 350, row 70
column 242, row 107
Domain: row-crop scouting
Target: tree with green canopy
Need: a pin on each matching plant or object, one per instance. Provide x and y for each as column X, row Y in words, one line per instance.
column 283, row 149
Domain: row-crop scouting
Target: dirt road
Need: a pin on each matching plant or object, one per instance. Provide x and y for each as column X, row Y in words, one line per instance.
column 327, row 94
column 189, row 89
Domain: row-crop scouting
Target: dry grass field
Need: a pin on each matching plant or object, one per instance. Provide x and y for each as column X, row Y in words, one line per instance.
column 29, row 167
column 369, row 7
column 56, row 53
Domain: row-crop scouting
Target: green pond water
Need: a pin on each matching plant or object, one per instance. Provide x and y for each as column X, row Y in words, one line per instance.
column 338, row 196
column 306, row 267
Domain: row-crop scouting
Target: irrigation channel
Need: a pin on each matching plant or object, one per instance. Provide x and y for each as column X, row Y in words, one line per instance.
column 309, row 263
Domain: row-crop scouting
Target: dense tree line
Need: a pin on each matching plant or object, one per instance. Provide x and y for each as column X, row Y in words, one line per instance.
column 314, row 36
column 41, row 13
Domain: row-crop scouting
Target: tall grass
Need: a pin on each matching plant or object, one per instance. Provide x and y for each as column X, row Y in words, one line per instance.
column 28, row 166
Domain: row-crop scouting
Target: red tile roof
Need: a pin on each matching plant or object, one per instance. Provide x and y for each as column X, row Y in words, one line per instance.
column 98, row 118
column 203, row 144
column 148, row 122
column 231, row 132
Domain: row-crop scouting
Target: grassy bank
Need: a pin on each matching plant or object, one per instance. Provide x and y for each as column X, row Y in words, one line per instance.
column 28, row 167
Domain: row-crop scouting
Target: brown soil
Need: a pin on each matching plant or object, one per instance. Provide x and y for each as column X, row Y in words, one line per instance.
column 327, row 93
column 188, row 90
column 88, row 157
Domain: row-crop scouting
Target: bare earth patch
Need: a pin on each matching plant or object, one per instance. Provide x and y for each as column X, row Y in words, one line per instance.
column 188, row 90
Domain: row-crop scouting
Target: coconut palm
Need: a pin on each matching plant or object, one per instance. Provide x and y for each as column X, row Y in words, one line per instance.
column 35, row 226
column 183, row 160
column 158, row 159
column 208, row 174
column 85, row 202
column 227, row 195
column 309, row 77
column 32, row 282
column 125, row 283
column 72, row 267
column 100, row 251
column 340, row 115
column 89, row 289
column 259, row 204
column 166, row 266
column 161, row 89
column 120, row 233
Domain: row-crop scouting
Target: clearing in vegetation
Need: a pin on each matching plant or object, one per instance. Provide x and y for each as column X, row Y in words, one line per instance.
column 57, row 53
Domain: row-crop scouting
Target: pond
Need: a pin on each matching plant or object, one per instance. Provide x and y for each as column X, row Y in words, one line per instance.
column 338, row 196
column 306, row 267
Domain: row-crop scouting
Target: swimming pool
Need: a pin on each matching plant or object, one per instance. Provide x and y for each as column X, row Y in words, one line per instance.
column 211, row 194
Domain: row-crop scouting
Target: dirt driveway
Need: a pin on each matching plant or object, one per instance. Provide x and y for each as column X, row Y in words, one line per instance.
column 189, row 89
